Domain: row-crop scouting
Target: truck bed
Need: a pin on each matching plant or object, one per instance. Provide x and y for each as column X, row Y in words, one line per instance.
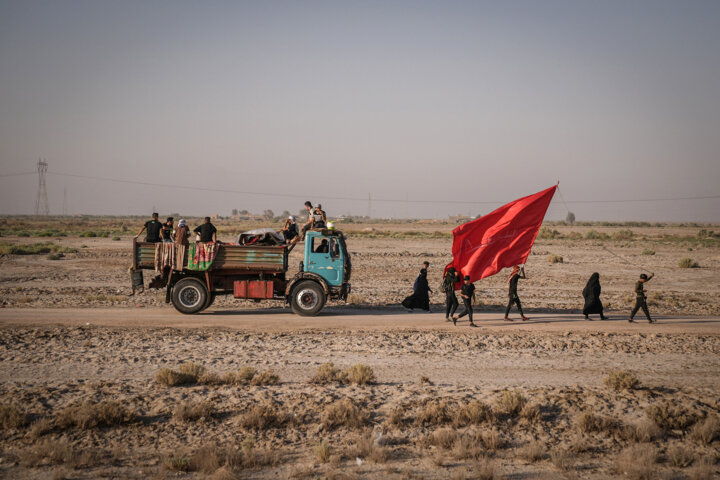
column 229, row 257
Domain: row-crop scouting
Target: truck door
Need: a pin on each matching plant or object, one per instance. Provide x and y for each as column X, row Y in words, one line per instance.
column 323, row 256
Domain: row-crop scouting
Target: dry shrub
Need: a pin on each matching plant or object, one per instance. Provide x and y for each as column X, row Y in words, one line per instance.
column 530, row 412
column 177, row 463
column 484, row 470
column 192, row 370
column 107, row 413
column 645, row 430
column 589, row 422
column 327, row 373
column 433, row 413
column 493, row 439
column 670, row 417
column 242, row 377
column 396, row 417
column 424, row 380
column 262, row 417
column 468, row 447
column 510, row 403
column 679, row 456
column 706, row 431
column 438, row 459
column 267, row 377
column 345, row 413
column 360, row 374
column 637, row 462
column 368, row 447
column 443, row 438
column 472, row 413
column 210, row 378
column 622, row 380
column 552, row 258
column 533, row 452
column 323, row 451
column 687, row 263
column 171, row 378
column 256, row 458
column 42, row 427
column 562, row 459
column 12, row 417
column 191, row 411
column 51, row 451
column 703, row 470
column 578, row 444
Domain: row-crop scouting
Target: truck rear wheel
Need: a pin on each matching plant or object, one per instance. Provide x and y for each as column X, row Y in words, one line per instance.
column 308, row 298
column 189, row 296
column 210, row 301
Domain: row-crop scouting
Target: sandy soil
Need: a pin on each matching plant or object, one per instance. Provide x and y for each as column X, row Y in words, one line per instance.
column 71, row 341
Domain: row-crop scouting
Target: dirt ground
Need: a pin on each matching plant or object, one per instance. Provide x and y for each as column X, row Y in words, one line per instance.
column 83, row 393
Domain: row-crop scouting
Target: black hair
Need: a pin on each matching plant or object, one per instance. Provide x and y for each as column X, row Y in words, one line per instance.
column 467, row 277
column 207, row 219
column 308, row 204
column 169, row 219
column 155, row 214
column 643, row 276
column 319, row 206
column 426, row 263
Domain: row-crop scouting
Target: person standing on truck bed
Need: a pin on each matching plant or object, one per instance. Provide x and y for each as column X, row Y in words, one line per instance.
column 166, row 231
column 290, row 230
column 153, row 229
column 207, row 231
column 182, row 233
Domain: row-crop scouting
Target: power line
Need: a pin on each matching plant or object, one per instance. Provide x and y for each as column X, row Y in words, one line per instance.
column 355, row 199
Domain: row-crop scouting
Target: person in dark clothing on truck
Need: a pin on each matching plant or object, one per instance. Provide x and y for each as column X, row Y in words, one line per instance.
column 166, row 232
column 640, row 298
column 290, row 230
column 451, row 304
column 517, row 274
column 152, row 229
column 466, row 293
column 207, row 231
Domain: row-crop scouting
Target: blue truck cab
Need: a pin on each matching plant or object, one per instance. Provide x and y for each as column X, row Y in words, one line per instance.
column 324, row 272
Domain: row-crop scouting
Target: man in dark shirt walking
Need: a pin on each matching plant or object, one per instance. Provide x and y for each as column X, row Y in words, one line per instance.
column 451, row 303
column 640, row 299
column 153, row 229
column 207, row 231
column 517, row 274
column 466, row 293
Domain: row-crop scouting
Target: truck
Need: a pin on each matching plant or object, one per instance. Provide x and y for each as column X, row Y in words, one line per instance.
column 257, row 272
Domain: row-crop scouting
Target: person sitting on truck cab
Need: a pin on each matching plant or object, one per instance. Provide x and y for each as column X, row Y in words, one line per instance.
column 166, row 232
column 319, row 217
column 311, row 218
column 207, row 231
column 323, row 247
column 290, row 230
column 153, row 229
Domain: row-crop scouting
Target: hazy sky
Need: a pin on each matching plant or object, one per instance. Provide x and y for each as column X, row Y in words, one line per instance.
column 453, row 101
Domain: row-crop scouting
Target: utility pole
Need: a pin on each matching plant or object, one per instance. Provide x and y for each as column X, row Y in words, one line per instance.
column 41, row 203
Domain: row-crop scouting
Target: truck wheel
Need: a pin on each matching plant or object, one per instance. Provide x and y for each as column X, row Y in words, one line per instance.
column 307, row 298
column 189, row 296
column 210, row 301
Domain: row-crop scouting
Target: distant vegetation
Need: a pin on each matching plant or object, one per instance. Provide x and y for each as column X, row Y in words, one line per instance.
column 33, row 249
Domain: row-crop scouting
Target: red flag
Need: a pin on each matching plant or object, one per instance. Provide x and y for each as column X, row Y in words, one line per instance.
column 500, row 239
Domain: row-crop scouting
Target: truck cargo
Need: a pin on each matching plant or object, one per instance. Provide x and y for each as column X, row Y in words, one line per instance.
column 251, row 271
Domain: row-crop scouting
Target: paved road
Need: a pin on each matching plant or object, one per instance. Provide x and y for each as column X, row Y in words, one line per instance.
column 344, row 318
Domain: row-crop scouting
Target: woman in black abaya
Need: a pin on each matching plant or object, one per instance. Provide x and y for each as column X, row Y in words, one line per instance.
column 421, row 298
column 591, row 293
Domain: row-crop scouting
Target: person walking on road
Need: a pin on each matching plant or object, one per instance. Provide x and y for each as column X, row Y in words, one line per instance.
column 517, row 274
column 640, row 298
column 591, row 293
column 467, row 292
column 451, row 302
column 421, row 294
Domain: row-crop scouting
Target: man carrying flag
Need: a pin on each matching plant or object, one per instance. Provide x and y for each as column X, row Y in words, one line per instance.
column 502, row 238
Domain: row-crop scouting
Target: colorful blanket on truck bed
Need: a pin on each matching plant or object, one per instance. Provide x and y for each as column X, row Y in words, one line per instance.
column 202, row 255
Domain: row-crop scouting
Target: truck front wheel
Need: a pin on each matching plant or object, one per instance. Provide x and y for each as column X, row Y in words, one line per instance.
column 189, row 296
column 308, row 298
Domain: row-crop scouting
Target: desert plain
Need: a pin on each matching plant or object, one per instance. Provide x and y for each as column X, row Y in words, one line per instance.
column 97, row 383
